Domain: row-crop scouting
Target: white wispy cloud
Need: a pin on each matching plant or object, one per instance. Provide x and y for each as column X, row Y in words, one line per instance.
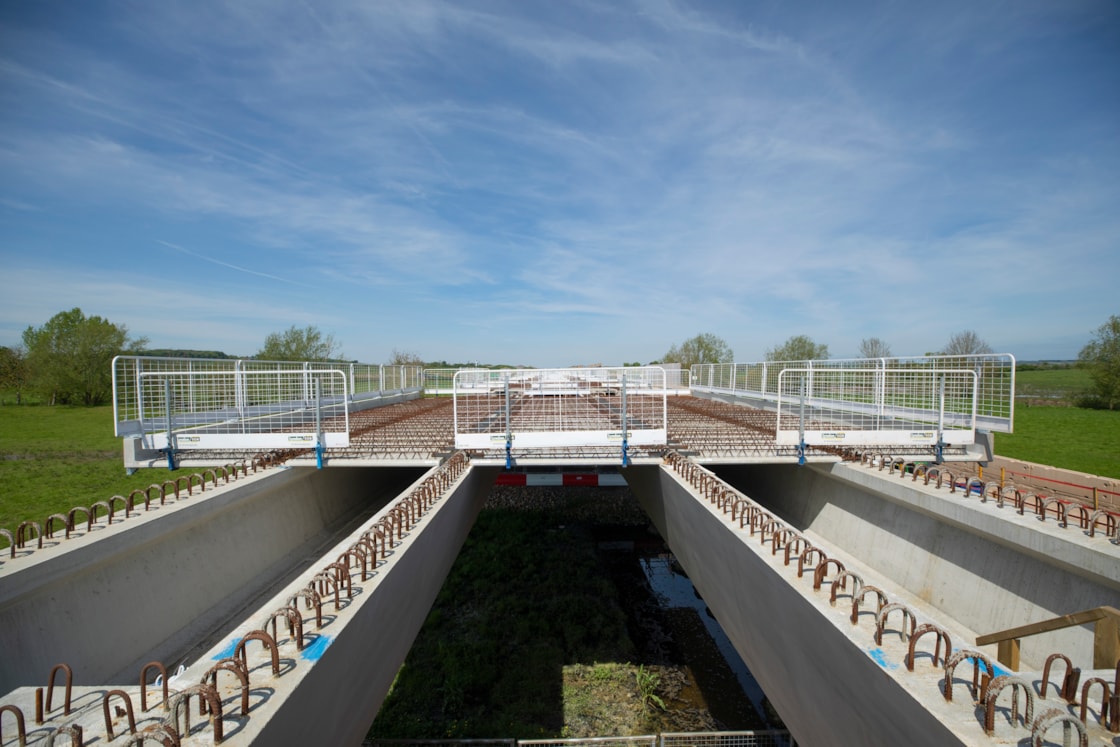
column 579, row 172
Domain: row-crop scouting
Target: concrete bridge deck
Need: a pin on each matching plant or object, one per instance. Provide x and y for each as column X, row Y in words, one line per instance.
column 936, row 407
column 420, row 432
column 965, row 566
column 301, row 589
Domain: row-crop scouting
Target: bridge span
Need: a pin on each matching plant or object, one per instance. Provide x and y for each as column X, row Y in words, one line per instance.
column 872, row 592
column 203, row 412
column 844, row 587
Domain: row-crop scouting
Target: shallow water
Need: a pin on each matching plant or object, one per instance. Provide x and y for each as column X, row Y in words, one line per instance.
column 674, row 590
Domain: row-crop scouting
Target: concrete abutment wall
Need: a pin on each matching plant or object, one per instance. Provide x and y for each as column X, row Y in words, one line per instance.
column 988, row 569
column 154, row 585
column 335, row 701
column 827, row 687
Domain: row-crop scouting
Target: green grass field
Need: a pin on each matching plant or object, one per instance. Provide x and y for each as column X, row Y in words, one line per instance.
column 55, row 458
column 1069, row 437
column 1058, row 384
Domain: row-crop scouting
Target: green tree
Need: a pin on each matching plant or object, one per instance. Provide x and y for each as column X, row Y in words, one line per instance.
column 13, row 371
column 966, row 343
column 704, row 348
column 295, row 344
column 1102, row 357
column 405, row 358
column 798, row 348
column 69, row 359
column 873, row 347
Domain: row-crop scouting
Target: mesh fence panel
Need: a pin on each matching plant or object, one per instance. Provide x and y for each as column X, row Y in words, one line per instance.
column 908, row 388
column 560, row 407
column 245, row 404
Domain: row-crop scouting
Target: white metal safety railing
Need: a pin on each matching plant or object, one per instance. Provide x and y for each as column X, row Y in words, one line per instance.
column 871, row 406
column 191, row 403
column 643, row 740
column 559, row 408
column 928, row 400
column 755, row 738
column 442, row 380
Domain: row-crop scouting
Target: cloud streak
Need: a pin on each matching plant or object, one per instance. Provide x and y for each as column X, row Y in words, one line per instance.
column 602, row 179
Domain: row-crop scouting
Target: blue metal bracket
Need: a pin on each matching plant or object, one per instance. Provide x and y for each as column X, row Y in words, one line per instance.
column 940, row 449
column 801, row 454
column 319, row 455
column 509, row 456
column 170, row 458
column 625, row 455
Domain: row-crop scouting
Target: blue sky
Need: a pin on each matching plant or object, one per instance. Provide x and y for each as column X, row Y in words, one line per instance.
column 555, row 183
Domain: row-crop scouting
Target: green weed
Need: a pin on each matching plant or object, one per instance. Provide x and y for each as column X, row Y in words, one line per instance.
column 647, row 687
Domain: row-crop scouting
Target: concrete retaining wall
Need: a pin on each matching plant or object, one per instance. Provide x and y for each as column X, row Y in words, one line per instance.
column 988, row 569
column 830, row 690
column 149, row 587
column 334, row 701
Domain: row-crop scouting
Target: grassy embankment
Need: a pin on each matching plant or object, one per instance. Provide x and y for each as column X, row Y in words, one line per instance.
column 55, row 458
column 1049, row 430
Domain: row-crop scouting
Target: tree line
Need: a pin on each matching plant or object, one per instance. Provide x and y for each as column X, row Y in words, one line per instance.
column 708, row 348
column 68, row 359
column 1101, row 356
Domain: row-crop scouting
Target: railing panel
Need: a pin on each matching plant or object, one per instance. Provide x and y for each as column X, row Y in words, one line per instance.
column 648, row 740
column 846, row 406
column 900, row 385
column 246, row 404
column 758, row 738
column 547, row 408
column 260, row 409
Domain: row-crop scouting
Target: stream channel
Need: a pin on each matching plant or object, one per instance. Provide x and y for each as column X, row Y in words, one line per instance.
column 681, row 630
column 561, row 601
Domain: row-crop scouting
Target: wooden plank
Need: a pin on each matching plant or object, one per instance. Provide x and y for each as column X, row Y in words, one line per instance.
column 1008, row 654
column 1106, row 643
column 1045, row 626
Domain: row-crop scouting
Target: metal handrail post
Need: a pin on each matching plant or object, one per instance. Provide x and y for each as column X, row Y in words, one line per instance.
column 801, row 427
column 316, row 390
column 625, row 444
column 509, row 427
column 170, row 433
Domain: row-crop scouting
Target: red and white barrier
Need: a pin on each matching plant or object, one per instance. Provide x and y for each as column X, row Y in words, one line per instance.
column 565, row 479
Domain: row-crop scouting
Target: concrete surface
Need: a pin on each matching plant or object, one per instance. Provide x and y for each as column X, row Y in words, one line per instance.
column 149, row 587
column 988, row 568
column 828, row 689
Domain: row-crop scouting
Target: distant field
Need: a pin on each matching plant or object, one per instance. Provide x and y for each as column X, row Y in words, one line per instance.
column 1057, row 384
column 55, row 458
column 1068, row 437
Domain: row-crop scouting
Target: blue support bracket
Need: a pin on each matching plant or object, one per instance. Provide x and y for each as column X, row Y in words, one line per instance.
column 625, row 453
column 509, row 455
column 170, row 458
column 801, row 454
column 317, row 393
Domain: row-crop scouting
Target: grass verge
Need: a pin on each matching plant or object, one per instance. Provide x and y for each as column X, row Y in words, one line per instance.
column 55, row 458
column 1067, row 437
